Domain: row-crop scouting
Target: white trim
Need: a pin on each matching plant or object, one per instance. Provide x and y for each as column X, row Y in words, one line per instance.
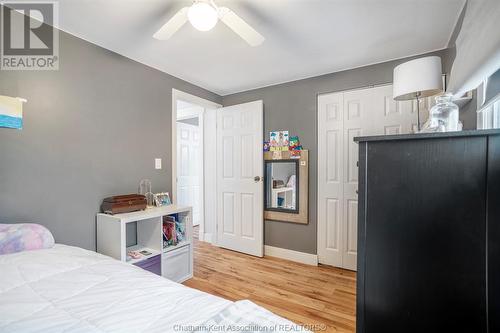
column 204, row 237
column 302, row 257
column 207, row 237
column 488, row 116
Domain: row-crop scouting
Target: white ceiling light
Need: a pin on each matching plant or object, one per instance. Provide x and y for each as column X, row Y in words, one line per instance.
column 202, row 16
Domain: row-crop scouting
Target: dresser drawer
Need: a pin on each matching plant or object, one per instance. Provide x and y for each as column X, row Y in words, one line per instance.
column 176, row 264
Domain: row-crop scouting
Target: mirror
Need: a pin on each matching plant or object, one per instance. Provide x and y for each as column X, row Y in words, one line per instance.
column 282, row 179
column 286, row 186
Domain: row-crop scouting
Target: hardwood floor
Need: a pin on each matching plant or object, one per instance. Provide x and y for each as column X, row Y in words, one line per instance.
column 323, row 296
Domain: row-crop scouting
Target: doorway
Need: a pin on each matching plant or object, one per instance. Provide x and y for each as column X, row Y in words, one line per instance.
column 193, row 159
column 217, row 168
column 190, row 175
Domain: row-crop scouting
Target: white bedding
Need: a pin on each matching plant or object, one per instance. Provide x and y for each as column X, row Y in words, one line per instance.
column 68, row 289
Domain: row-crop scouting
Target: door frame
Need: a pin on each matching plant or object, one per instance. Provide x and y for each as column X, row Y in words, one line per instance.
column 178, row 95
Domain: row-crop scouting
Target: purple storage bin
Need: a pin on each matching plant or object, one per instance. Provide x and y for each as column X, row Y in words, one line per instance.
column 152, row 264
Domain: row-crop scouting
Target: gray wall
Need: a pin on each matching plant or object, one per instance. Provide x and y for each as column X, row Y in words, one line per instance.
column 91, row 130
column 292, row 106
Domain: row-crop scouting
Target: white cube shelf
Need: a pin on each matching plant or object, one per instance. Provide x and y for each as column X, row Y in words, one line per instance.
column 176, row 260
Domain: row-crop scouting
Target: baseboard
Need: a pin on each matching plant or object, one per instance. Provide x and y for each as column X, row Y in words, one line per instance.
column 302, row 257
column 207, row 237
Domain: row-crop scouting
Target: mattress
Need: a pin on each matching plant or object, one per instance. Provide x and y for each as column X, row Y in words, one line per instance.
column 69, row 289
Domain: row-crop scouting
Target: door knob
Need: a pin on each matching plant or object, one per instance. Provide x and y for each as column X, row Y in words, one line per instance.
column 256, row 179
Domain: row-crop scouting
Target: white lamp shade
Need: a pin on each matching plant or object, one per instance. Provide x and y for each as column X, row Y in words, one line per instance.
column 420, row 77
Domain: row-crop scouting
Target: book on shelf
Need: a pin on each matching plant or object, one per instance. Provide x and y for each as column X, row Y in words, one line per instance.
column 174, row 230
column 138, row 254
column 169, row 232
column 134, row 255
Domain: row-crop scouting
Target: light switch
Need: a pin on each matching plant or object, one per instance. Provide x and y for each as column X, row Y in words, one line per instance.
column 158, row 163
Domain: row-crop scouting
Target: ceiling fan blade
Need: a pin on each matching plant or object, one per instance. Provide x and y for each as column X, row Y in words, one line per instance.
column 240, row 27
column 174, row 24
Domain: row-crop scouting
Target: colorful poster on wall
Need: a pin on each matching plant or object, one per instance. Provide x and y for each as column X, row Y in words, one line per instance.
column 11, row 112
column 278, row 140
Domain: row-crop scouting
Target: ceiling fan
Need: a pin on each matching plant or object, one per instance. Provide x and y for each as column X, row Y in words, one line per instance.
column 204, row 15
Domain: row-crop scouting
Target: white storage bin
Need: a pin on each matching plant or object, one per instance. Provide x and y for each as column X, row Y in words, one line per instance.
column 176, row 264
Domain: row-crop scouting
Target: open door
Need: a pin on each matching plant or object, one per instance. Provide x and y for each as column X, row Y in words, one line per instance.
column 240, row 190
column 190, row 168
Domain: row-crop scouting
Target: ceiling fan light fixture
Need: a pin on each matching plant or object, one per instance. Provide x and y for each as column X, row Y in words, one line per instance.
column 202, row 16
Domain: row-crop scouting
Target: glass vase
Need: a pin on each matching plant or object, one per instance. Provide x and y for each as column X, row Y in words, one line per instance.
column 443, row 117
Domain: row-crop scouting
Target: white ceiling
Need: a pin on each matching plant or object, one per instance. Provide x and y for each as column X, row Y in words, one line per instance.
column 304, row 38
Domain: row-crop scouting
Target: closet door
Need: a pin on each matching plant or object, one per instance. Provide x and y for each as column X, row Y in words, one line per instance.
column 360, row 118
column 343, row 116
column 394, row 117
column 330, row 178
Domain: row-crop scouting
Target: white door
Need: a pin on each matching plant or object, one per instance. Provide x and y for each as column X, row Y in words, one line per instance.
column 330, row 178
column 240, row 178
column 189, row 170
column 342, row 117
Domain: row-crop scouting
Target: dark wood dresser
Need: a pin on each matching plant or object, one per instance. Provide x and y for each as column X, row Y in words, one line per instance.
column 429, row 233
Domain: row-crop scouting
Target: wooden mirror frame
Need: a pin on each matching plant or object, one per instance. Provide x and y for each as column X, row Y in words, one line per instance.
column 302, row 217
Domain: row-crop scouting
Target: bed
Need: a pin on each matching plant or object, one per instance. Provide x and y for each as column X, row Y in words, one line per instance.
column 69, row 289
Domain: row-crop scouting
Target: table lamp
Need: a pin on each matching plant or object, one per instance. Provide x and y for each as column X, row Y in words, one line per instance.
column 417, row 79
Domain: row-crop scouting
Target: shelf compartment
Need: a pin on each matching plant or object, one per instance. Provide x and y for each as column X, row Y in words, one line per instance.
column 151, row 264
column 178, row 246
column 174, row 262
column 144, row 257
column 177, row 264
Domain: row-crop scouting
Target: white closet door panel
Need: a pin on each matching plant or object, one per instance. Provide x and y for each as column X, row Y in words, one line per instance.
column 358, row 121
column 395, row 117
column 350, row 253
column 342, row 117
column 330, row 178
